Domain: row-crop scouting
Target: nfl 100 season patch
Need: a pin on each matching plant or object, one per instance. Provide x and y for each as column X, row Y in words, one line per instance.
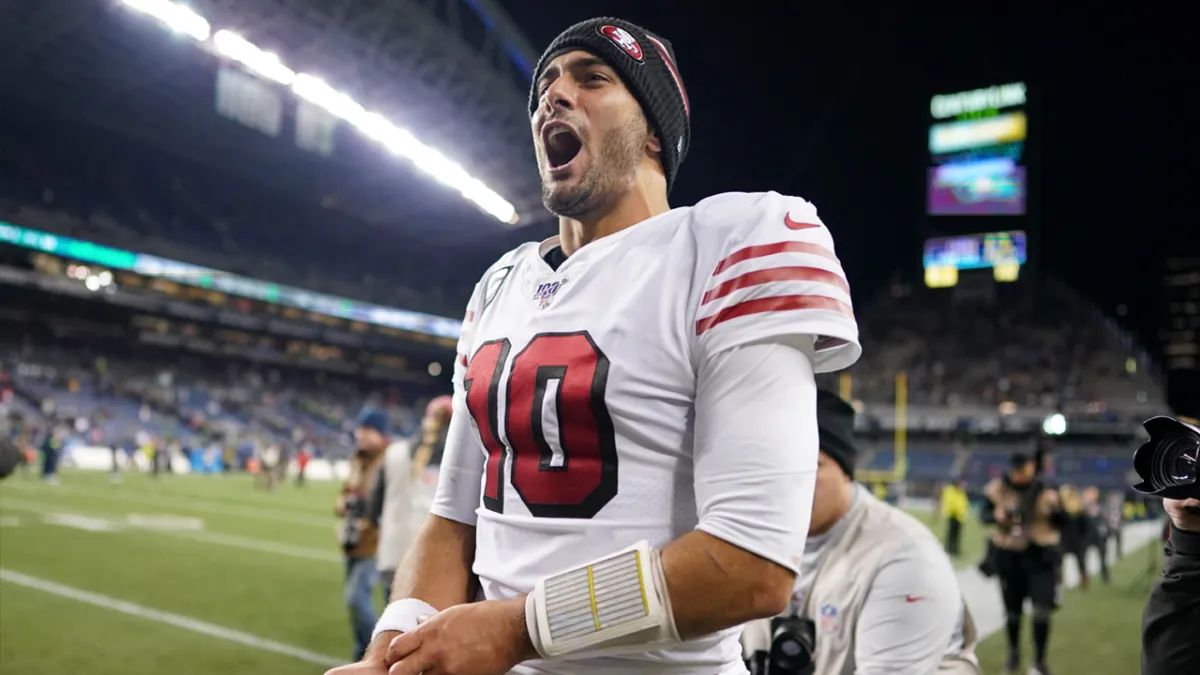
column 545, row 291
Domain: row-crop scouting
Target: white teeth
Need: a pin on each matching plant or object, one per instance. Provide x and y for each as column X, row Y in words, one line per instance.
column 555, row 135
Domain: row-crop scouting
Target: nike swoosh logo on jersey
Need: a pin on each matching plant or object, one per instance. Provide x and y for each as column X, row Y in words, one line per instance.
column 913, row 598
column 793, row 225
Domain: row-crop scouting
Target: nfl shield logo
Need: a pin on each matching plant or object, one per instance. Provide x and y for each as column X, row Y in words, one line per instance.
column 545, row 292
column 829, row 618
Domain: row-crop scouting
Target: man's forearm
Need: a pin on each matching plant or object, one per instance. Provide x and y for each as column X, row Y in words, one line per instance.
column 715, row 585
column 437, row 566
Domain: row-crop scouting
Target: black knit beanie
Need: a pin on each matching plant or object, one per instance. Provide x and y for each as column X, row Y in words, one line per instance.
column 835, row 428
column 646, row 63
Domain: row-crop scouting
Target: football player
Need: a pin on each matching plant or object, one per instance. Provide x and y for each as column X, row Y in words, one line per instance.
column 433, row 434
column 630, row 465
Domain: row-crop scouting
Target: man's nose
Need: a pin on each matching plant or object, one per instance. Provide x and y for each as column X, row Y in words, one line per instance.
column 559, row 96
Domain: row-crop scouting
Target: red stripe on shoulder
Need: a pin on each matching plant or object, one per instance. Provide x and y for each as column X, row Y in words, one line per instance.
column 783, row 303
column 773, row 249
column 773, row 274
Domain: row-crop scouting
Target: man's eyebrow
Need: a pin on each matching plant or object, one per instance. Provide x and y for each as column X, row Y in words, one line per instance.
column 580, row 63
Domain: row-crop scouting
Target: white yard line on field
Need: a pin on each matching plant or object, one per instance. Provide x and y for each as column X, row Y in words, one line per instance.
column 56, row 513
column 177, row 504
column 167, row 618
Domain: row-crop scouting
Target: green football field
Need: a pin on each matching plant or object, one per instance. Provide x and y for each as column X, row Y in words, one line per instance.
column 206, row 575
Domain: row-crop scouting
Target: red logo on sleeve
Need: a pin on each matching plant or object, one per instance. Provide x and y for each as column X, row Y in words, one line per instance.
column 793, row 225
column 913, row 598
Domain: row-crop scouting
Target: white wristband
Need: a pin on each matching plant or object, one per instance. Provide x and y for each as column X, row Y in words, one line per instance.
column 403, row 615
column 615, row 605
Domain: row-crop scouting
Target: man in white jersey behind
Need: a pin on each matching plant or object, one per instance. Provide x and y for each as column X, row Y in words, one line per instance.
column 629, row 468
column 876, row 594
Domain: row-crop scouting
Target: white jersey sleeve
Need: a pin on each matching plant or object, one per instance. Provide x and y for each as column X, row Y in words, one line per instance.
column 460, row 476
column 767, row 269
column 756, row 448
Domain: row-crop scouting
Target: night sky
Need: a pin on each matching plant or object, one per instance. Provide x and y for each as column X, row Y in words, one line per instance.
column 831, row 103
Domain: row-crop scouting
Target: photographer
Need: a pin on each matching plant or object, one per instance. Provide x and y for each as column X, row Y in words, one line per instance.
column 1171, row 622
column 1026, row 520
column 876, row 594
column 359, row 531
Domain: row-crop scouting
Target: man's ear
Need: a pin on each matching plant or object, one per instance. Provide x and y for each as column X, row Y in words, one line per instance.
column 652, row 142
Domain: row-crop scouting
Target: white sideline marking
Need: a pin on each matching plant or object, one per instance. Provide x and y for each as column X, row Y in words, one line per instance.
column 168, row 523
column 158, row 616
column 185, row 504
column 10, row 521
column 204, row 537
column 80, row 522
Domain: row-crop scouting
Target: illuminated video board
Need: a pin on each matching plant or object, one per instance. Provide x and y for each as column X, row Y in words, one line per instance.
column 1003, row 252
column 976, row 145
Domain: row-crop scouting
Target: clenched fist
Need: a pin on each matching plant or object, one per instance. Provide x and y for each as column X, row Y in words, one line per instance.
column 479, row 638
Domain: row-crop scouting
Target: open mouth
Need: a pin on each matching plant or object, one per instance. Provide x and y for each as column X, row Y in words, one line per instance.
column 561, row 143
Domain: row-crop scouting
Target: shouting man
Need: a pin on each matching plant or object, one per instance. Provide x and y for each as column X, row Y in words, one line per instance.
column 629, row 468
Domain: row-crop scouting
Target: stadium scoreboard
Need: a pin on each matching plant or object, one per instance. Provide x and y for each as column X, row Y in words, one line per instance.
column 976, row 149
column 1002, row 252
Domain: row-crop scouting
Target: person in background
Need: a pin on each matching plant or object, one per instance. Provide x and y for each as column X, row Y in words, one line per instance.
column 392, row 509
column 52, row 448
column 1074, row 532
column 302, row 459
column 1114, row 517
column 401, row 474
column 433, row 434
column 268, row 469
column 955, row 506
column 1097, row 528
column 158, row 454
column 876, row 579
column 173, row 449
column 359, row 533
column 1171, row 620
column 1026, row 521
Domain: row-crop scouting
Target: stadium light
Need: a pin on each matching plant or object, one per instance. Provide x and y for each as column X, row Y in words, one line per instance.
column 178, row 17
column 268, row 65
column 1055, row 425
column 260, row 62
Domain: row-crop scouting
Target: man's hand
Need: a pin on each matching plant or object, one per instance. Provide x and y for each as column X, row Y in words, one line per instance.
column 1184, row 513
column 1001, row 515
column 375, row 660
column 480, row 638
column 361, row 668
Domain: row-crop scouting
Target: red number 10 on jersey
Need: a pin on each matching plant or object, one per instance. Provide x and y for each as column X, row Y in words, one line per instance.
column 572, row 368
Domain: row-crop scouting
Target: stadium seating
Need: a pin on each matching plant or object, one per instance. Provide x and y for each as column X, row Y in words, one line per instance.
column 1035, row 345
column 194, row 401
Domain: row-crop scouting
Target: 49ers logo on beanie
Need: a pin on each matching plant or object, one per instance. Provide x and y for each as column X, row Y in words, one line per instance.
column 623, row 39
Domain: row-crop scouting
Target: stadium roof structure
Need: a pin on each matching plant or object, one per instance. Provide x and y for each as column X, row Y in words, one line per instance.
column 454, row 73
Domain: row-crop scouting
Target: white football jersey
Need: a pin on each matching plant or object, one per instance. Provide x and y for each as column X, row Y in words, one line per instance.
column 580, row 383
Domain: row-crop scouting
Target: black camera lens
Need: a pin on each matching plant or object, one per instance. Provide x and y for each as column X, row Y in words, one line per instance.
column 1167, row 463
column 792, row 646
column 1183, row 463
